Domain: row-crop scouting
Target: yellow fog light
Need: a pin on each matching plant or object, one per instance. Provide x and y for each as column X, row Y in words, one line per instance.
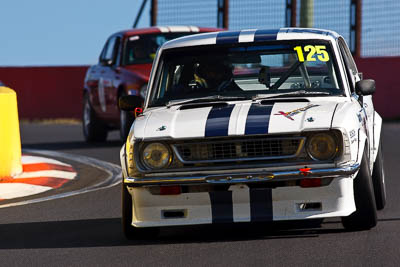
column 322, row 146
column 156, row 156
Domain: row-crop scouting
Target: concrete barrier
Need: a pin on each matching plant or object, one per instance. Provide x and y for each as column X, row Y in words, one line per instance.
column 384, row 71
column 56, row 91
column 50, row 92
column 10, row 141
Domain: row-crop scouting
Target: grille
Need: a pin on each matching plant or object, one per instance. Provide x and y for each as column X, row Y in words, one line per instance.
column 239, row 150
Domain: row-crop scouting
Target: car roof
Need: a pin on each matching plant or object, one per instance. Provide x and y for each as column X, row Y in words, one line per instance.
column 166, row 29
column 251, row 35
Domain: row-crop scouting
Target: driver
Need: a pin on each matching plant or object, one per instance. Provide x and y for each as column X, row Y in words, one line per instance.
column 214, row 75
column 138, row 53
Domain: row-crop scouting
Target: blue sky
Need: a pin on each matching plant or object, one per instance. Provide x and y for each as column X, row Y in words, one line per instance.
column 72, row 32
column 54, row 32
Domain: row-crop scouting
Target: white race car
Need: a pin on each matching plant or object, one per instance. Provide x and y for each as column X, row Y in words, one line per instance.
column 250, row 126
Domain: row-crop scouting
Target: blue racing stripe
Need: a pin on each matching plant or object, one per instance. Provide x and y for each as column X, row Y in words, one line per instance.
column 218, row 121
column 309, row 31
column 221, row 206
column 265, row 35
column 261, row 204
column 228, row 37
column 258, row 119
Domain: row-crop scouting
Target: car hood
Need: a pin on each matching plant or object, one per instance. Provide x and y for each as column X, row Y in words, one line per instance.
column 234, row 119
column 142, row 70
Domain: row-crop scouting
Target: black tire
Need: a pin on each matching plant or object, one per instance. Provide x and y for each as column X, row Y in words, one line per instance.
column 94, row 130
column 364, row 217
column 378, row 179
column 131, row 232
column 125, row 119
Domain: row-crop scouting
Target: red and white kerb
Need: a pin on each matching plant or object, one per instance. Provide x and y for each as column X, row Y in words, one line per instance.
column 39, row 175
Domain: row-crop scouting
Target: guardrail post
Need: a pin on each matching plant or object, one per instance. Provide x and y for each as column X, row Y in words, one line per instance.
column 153, row 12
column 223, row 14
column 355, row 27
column 291, row 13
column 10, row 141
column 307, row 13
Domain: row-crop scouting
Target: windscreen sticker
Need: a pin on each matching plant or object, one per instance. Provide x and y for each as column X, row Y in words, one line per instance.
column 134, row 38
column 308, row 52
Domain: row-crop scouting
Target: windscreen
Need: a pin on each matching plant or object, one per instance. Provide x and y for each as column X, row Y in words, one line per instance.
column 247, row 71
column 141, row 49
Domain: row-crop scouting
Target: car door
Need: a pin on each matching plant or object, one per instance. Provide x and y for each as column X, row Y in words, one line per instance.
column 105, row 78
column 366, row 104
column 114, row 76
column 94, row 80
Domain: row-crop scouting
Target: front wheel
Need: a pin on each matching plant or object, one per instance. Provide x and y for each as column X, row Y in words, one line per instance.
column 365, row 216
column 93, row 129
column 131, row 232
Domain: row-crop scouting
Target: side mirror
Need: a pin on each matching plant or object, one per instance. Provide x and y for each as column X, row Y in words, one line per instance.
column 106, row 62
column 365, row 87
column 129, row 102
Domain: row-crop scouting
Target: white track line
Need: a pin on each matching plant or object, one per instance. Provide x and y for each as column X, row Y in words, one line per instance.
column 25, row 159
column 51, row 173
column 14, row 190
column 113, row 171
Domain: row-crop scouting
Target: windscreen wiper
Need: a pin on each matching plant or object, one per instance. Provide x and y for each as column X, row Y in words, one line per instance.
column 295, row 93
column 204, row 100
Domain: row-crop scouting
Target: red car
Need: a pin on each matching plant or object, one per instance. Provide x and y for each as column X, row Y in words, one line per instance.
column 123, row 69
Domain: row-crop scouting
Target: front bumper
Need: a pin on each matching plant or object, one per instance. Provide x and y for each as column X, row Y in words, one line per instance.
column 345, row 170
column 241, row 203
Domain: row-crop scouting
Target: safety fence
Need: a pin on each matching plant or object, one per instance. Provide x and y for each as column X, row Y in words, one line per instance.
column 379, row 29
column 331, row 14
column 252, row 14
column 380, row 35
column 56, row 92
column 200, row 13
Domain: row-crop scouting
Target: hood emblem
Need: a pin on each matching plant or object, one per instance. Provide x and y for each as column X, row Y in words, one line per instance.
column 311, row 119
column 162, row 128
column 290, row 114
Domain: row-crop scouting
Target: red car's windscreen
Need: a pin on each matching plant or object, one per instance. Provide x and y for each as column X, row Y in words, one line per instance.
column 141, row 49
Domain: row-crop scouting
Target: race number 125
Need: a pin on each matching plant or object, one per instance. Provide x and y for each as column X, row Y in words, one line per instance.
column 310, row 51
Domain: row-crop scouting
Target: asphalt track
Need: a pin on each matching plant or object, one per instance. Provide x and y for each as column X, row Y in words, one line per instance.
column 84, row 230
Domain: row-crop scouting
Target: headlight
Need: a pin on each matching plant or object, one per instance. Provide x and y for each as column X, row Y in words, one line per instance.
column 322, row 146
column 156, row 156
